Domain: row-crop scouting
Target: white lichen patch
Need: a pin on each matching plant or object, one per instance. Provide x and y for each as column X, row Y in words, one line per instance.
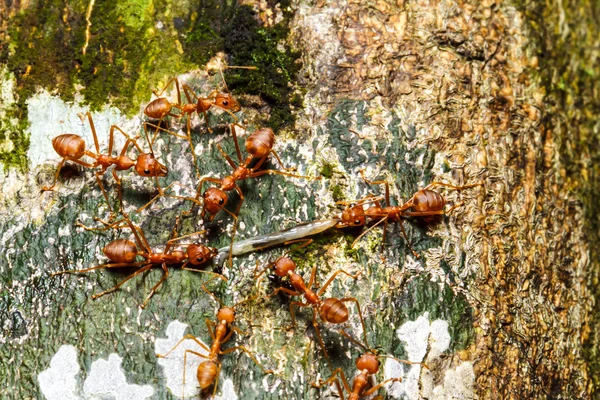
column 105, row 381
column 173, row 365
column 50, row 116
column 425, row 342
column 59, row 382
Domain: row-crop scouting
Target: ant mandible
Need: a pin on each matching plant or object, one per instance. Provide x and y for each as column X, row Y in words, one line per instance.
column 367, row 365
column 220, row 332
column 123, row 253
column 425, row 203
column 72, row 147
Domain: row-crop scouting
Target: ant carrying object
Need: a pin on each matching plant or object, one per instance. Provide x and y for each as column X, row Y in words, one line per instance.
column 123, row 253
column 72, row 147
column 220, row 332
column 425, row 204
column 367, row 365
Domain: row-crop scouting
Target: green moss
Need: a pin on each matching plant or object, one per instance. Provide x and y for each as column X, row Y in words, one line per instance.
column 125, row 58
column 327, row 170
column 227, row 26
column 337, row 193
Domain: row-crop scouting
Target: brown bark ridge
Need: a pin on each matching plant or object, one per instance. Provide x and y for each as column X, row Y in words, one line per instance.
column 491, row 86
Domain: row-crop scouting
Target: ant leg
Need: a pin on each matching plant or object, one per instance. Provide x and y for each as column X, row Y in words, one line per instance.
column 164, row 195
column 276, row 172
column 216, row 275
column 284, row 290
column 216, row 383
column 324, row 349
column 332, row 277
column 107, row 225
column 127, row 143
column 167, row 85
column 337, row 371
column 404, row 361
column 313, row 274
column 110, row 265
column 305, row 242
column 433, row 184
column 186, row 337
column 199, row 191
column 380, row 385
column 226, row 156
column 280, row 162
column 211, row 294
column 454, row 207
column 155, row 287
column 89, row 116
column 99, row 175
column 211, row 328
column 293, row 311
column 192, row 148
column 208, row 128
column 235, row 222
column 369, row 229
column 188, row 90
column 384, row 181
column 406, row 239
column 138, row 235
column 136, row 273
column 249, row 354
column 423, row 213
column 360, row 316
column 60, row 164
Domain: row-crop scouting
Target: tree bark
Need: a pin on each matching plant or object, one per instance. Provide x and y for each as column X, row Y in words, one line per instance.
column 503, row 93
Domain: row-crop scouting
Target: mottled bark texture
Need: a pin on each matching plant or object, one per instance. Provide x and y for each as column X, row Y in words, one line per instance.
column 505, row 93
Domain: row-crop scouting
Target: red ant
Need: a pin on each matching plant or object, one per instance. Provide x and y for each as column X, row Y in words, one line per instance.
column 123, row 253
column 331, row 310
column 72, row 147
column 161, row 107
column 220, row 332
column 424, row 203
column 368, row 365
column 259, row 145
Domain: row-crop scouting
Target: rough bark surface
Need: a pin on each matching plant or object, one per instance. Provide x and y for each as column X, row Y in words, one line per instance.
column 461, row 92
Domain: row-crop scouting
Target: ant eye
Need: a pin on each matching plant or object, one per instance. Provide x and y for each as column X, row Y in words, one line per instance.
column 147, row 171
column 200, row 259
column 204, row 195
column 221, row 201
column 225, row 103
column 357, row 222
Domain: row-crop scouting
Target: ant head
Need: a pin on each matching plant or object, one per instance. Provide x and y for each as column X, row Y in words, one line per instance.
column 147, row 165
column 227, row 102
column 214, row 200
column 354, row 216
column 369, row 362
column 198, row 254
column 260, row 142
column 283, row 265
column 226, row 314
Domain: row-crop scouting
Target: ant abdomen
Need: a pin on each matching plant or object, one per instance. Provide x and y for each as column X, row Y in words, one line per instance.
column 158, row 108
column 333, row 311
column 260, row 142
column 428, row 200
column 121, row 251
column 206, row 374
column 69, row 145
